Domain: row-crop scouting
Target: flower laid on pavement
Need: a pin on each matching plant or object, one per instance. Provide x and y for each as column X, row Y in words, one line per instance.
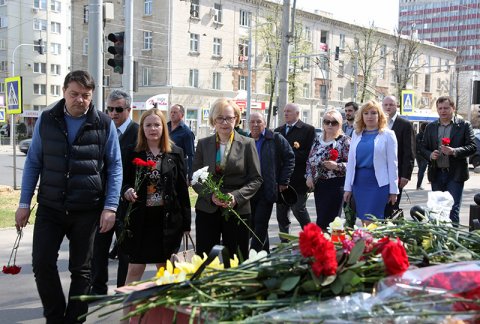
column 11, row 267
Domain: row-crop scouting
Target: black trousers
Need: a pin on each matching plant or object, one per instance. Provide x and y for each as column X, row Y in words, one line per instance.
column 214, row 228
column 328, row 200
column 51, row 226
column 101, row 249
column 261, row 213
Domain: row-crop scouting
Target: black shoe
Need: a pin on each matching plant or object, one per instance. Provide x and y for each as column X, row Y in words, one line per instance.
column 420, row 188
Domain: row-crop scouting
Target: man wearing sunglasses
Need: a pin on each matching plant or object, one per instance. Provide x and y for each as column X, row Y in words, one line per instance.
column 118, row 108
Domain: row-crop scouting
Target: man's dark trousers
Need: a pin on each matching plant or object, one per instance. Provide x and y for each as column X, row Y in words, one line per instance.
column 51, row 226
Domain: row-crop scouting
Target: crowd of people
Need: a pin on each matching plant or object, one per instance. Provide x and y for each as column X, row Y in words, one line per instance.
column 103, row 174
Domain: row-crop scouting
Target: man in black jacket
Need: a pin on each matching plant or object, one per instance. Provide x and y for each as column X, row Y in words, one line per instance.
column 276, row 164
column 447, row 143
column 118, row 108
column 300, row 136
column 405, row 149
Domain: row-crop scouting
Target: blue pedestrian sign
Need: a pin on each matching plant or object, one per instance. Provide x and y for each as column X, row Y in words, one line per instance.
column 13, row 90
column 2, row 115
column 408, row 104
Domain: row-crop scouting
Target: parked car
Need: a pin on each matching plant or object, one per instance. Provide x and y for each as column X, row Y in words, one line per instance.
column 24, row 145
column 475, row 158
column 5, row 130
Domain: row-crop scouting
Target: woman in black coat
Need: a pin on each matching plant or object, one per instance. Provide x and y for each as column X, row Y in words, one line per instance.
column 160, row 213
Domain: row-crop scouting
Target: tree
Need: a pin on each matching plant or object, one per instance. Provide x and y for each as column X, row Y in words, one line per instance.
column 368, row 50
column 405, row 59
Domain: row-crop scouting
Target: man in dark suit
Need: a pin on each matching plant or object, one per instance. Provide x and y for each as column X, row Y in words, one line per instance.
column 118, row 108
column 300, row 136
column 182, row 136
column 406, row 148
column 448, row 167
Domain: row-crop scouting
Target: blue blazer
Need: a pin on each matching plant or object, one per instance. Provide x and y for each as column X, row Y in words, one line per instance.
column 385, row 162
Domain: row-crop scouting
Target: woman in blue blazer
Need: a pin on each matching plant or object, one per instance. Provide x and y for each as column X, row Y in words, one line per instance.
column 372, row 168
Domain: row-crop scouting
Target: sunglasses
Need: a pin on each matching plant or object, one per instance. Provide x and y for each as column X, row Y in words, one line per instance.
column 117, row 109
column 330, row 122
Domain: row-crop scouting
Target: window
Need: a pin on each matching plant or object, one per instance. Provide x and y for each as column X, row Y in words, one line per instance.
column 268, row 86
column 243, row 47
column 308, row 33
column 342, row 41
column 146, row 76
column 3, row 22
column 85, row 14
column 218, row 13
column 3, row 66
column 55, row 27
column 2, row 2
column 55, row 6
column 306, row 63
column 3, row 43
column 56, row 48
column 217, row 80
column 106, row 80
column 306, row 90
column 381, row 72
column 193, row 78
column 415, row 81
column 323, row 36
column 39, row 107
column 39, row 89
column 244, row 18
column 2, row 87
column 268, row 59
column 195, row 9
column 147, row 40
column 427, row 82
column 39, row 24
column 194, row 39
column 341, row 67
column 55, row 69
column 39, row 67
column 242, row 82
column 55, row 90
column 439, row 84
column 217, row 46
column 40, row 4
column 340, row 93
column 85, row 46
column 147, row 7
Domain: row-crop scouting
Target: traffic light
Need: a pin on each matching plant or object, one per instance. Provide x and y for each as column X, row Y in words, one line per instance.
column 337, row 53
column 275, row 110
column 38, row 46
column 476, row 93
column 117, row 51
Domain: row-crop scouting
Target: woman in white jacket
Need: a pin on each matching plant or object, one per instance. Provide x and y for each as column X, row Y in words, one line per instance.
column 372, row 168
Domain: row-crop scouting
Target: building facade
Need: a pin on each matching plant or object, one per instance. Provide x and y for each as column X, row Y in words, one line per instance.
column 35, row 44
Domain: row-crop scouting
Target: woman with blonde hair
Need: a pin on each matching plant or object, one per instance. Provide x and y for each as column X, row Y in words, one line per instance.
column 234, row 159
column 326, row 166
column 372, row 169
column 161, row 206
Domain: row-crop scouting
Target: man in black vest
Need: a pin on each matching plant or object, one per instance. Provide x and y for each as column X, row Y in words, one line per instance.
column 118, row 108
column 76, row 154
column 300, row 136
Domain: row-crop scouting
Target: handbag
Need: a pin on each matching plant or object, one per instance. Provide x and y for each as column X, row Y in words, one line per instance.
column 187, row 254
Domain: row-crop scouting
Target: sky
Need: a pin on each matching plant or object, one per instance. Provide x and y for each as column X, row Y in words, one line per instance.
column 384, row 13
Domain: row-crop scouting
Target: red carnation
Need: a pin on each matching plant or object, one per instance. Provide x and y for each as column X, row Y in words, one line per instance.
column 151, row 163
column 395, row 257
column 325, row 259
column 445, row 141
column 333, row 155
column 309, row 239
column 139, row 162
column 14, row 269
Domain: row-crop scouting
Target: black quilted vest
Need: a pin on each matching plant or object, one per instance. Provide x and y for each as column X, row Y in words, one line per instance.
column 73, row 176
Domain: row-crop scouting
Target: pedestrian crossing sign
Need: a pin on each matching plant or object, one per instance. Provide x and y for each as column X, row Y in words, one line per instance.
column 13, row 90
column 408, row 104
column 2, row 115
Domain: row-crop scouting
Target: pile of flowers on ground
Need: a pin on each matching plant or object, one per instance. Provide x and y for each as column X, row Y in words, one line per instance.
column 310, row 268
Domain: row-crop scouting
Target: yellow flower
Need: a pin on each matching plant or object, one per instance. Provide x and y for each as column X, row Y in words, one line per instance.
column 372, row 227
column 216, row 264
column 168, row 274
column 234, row 262
column 427, row 243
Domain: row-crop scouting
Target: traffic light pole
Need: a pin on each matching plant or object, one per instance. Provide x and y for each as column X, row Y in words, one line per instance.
column 127, row 78
column 95, row 49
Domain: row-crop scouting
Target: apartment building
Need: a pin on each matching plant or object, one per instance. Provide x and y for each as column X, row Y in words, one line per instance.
column 193, row 52
column 35, row 44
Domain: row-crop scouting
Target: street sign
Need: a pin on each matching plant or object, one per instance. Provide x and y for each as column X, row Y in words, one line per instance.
column 407, row 106
column 205, row 113
column 2, row 115
column 13, row 90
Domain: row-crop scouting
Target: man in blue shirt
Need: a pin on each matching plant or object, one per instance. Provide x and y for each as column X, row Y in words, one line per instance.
column 182, row 136
column 76, row 155
column 350, row 111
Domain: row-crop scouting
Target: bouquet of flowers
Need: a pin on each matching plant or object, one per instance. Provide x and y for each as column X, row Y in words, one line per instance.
column 142, row 168
column 13, row 269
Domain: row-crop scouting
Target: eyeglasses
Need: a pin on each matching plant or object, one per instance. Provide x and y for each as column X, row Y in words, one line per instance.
column 330, row 122
column 117, row 109
column 221, row 120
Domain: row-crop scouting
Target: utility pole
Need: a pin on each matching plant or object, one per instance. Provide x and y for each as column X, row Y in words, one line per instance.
column 95, row 48
column 355, row 76
column 284, row 62
column 127, row 78
column 249, row 70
